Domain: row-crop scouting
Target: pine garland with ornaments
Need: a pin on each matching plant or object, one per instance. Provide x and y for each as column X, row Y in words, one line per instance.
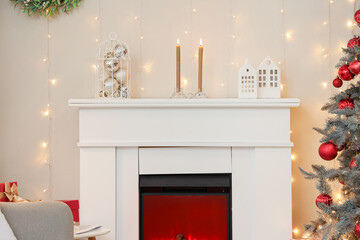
column 46, row 7
column 339, row 214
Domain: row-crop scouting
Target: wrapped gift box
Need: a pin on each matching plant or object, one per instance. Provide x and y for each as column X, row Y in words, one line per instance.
column 74, row 206
column 3, row 198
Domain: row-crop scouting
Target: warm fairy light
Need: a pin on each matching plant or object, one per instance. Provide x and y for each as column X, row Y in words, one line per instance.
column 320, row 226
column 49, row 36
column 46, row 113
column 296, row 231
column 136, row 18
column 331, row 1
column 44, row 144
column 325, row 22
column 186, row 32
column 292, row 179
column 147, row 67
column 94, row 67
column 281, row 86
column 142, row 89
column 339, row 196
column 44, row 59
column 222, row 84
column 306, row 235
column 200, row 41
column 233, row 36
column 325, row 84
column 45, row 190
column 350, row 23
column 234, row 16
column 53, row 81
column 351, row 1
column 282, row 10
column 232, row 63
column 288, row 35
column 96, row 18
column 292, row 156
column 97, row 40
column 279, row 62
column 178, row 41
column 194, row 10
column 141, row 37
column 291, row 132
column 46, row 162
column 185, row 81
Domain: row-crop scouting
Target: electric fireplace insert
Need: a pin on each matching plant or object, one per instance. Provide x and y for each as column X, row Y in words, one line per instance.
column 185, row 207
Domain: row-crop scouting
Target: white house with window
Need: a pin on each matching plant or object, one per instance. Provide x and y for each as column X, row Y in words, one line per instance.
column 269, row 82
column 247, row 81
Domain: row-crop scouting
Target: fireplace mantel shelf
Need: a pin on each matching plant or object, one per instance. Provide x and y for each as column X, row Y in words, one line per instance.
column 185, row 103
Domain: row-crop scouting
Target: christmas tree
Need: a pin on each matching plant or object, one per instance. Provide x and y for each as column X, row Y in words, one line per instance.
column 340, row 219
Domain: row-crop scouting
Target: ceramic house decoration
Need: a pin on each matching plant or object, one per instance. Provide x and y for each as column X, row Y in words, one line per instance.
column 269, row 81
column 247, row 81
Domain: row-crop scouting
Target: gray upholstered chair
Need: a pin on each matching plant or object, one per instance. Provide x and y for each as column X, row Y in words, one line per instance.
column 48, row 220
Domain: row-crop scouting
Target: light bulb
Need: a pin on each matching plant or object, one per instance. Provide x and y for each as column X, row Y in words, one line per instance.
column 45, row 190
column 44, row 59
column 186, row 32
column 53, row 81
column 350, row 23
column 46, row 113
column 194, row 10
column 49, row 36
column 233, row 36
column 97, row 40
column 222, row 84
column 234, row 16
column 325, row 23
column 44, row 144
column 282, row 10
column 96, row 18
column 141, row 37
column 292, row 179
column 325, row 84
column 185, row 81
column 296, row 231
column 136, row 18
column 142, row 89
column 288, row 35
column 292, row 156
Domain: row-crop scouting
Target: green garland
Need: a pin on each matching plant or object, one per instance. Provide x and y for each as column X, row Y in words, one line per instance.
column 46, row 7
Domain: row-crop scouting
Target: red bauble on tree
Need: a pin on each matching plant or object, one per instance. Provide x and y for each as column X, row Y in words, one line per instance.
column 353, row 42
column 357, row 230
column 353, row 163
column 357, row 17
column 355, row 67
column 328, row 151
column 346, row 103
column 337, row 82
column 344, row 73
column 323, row 198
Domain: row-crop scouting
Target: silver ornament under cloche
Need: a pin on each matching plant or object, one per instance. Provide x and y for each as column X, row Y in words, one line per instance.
column 113, row 68
column 121, row 50
column 111, row 63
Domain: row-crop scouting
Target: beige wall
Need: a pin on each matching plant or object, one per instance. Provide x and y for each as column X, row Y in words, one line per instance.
column 258, row 30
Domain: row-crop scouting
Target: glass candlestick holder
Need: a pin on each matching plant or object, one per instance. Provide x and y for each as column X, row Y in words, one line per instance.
column 178, row 94
column 200, row 94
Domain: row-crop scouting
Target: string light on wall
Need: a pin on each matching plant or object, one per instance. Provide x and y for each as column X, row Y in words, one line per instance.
column 47, row 113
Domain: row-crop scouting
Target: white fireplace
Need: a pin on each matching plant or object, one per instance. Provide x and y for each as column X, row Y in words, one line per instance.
column 248, row 138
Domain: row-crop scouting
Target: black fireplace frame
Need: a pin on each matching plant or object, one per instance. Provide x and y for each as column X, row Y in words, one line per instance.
column 186, row 184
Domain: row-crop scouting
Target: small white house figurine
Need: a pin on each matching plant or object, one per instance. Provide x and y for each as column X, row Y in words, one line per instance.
column 247, row 81
column 269, row 81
